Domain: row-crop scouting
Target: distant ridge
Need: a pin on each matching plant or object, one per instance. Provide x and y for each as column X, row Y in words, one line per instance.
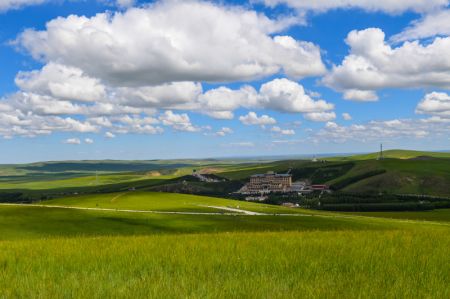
column 397, row 154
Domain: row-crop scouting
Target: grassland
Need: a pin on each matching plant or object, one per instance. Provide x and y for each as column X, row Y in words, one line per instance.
column 77, row 181
column 394, row 154
column 389, row 264
column 62, row 253
column 124, row 244
column 156, row 201
column 442, row 215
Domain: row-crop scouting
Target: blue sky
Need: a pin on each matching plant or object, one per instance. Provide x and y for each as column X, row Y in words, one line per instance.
column 196, row 79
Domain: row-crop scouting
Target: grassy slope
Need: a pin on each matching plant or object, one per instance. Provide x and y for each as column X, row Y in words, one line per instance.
column 82, row 181
column 442, row 215
column 430, row 177
column 395, row 154
column 54, row 253
column 21, row 222
column 155, row 201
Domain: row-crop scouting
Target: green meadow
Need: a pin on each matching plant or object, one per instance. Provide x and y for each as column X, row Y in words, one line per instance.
column 108, row 236
column 158, row 201
column 442, row 215
column 57, row 252
column 298, row 264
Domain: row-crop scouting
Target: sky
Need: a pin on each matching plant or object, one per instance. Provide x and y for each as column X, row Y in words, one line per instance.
column 107, row 79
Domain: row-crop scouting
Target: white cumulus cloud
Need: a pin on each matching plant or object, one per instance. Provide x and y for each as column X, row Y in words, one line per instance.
column 373, row 64
column 174, row 41
column 72, row 141
column 435, row 103
column 387, row 6
column 14, row 4
column 282, row 95
column 346, row 116
column 110, row 135
column 278, row 130
column 320, row 116
column 253, row 119
column 179, row 122
column 432, row 24
column 62, row 82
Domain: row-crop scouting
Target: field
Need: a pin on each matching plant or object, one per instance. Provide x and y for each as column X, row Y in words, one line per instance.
column 156, row 201
column 442, row 215
column 112, row 236
column 55, row 252
column 313, row 264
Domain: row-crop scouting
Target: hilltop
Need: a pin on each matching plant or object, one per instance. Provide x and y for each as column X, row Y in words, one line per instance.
column 394, row 154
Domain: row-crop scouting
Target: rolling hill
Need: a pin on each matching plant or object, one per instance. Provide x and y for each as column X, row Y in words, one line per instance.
column 394, row 154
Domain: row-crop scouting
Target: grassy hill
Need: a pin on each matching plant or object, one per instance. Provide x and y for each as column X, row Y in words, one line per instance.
column 399, row 176
column 394, row 154
column 156, row 201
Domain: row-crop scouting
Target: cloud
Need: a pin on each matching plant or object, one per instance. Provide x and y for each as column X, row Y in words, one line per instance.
column 15, row 4
column 139, row 124
column 221, row 101
column 382, row 130
column 373, row 64
column 280, row 131
column 125, row 3
column 288, row 96
column 179, row 122
column 110, row 135
column 18, row 123
column 62, row 82
column 281, row 95
column 224, row 131
column 436, row 104
column 242, row 144
column 346, row 116
column 387, row 6
column 72, row 141
column 165, row 96
column 253, row 119
column 430, row 25
column 320, row 116
column 41, row 104
column 88, row 141
column 166, row 42
column 360, row 95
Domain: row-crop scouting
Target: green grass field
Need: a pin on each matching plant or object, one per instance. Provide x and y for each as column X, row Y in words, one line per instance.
column 156, row 201
column 343, row 264
column 63, row 253
column 82, row 181
column 130, row 244
column 50, row 252
column 442, row 215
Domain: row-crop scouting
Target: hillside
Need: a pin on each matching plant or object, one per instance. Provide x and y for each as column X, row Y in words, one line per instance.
column 393, row 154
column 401, row 176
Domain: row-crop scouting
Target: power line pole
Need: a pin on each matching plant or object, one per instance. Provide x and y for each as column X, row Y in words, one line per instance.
column 380, row 155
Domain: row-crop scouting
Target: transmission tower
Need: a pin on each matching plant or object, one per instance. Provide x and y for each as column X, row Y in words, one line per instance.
column 380, row 155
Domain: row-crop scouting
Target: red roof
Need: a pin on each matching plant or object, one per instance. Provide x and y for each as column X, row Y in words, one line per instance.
column 319, row 187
